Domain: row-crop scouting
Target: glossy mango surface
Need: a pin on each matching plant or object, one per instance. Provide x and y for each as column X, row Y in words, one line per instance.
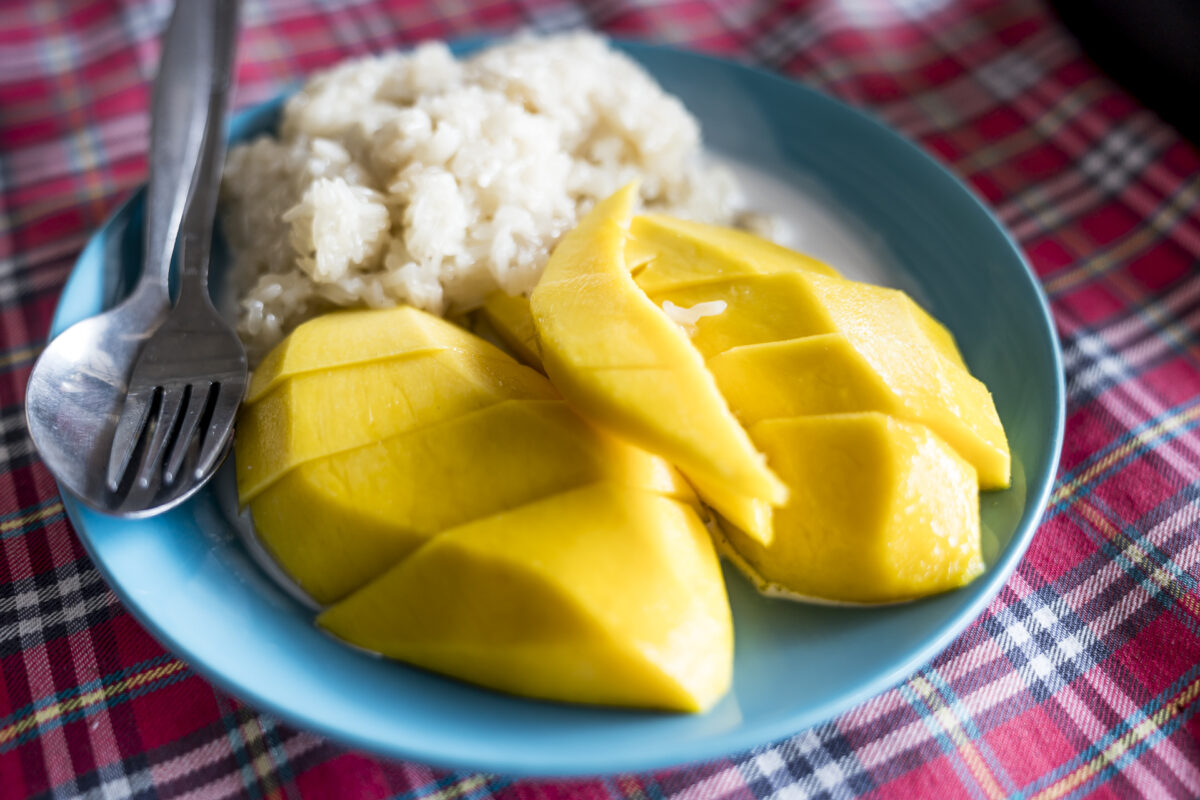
column 853, row 391
column 665, row 253
column 620, row 362
column 348, row 468
column 510, row 318
column 598, row 595
column 382, row 398
column 802, row 342
column 342, row 338
column 336, row 521
column 881, row 511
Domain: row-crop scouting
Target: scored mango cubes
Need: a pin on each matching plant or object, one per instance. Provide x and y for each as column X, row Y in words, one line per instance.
column 861, row 402
column 597, row 595
column 623, row 365
column 881, row 511
column 362, row 447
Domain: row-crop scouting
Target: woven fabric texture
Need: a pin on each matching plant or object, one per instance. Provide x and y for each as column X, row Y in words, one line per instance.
column 1080, row 680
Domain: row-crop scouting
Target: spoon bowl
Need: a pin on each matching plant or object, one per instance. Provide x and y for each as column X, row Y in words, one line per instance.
column 76, row 392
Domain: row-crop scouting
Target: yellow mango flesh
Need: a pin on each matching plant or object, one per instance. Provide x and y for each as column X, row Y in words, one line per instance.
column 382, row 398
column 666, row 253
column 939, row 337
column 794, row 344
column 752, row 515
column 335, row 522
column 510, row 318
column 928, row 383
column 620, row 362
column 758, row 308
column 343, row 338
column 881, row 511
column 760, row 353
column 815, row 375
column 347, row 467
column 597, row 595
column 828, row 374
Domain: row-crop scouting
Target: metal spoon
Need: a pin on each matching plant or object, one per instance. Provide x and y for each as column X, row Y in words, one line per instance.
column 78, row 385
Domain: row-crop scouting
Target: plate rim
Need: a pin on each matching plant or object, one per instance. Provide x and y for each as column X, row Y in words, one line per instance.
column 669, row 755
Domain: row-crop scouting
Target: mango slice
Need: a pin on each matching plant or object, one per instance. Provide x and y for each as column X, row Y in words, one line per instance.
column 881, row 511
column 667, row 253
column 383, row 398
column 335, row 522
column 358, row 451
column 798, row 346
column 511, row 319
column 939, row 337
column 771, row 355
column 758, row 308
column 620, row 362
column 343, row 338
column 597, row 595
column 815, row 375
column 930, row 385
column 827, row 374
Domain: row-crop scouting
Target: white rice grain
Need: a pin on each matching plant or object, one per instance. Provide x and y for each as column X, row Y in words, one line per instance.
column 415, row 178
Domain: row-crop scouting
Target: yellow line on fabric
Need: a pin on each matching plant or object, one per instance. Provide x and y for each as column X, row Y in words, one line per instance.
column 1137, row 554
column 34, row 516
column 254, row 738
column 18, row 356
column 1153, row 228
column 1114, row 751
column 73, row 704
column 949, row 722
column 1039, row 129
column 465, row 786
column 1144, row 438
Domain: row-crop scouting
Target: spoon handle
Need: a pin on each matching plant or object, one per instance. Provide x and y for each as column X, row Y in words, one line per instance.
column 178, row 110
column 196, row 235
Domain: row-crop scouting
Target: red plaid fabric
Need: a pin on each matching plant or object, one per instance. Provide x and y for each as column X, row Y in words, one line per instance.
column 1082, row 677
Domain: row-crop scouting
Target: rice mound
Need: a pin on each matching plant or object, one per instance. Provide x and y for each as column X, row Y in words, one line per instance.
column 415, row 178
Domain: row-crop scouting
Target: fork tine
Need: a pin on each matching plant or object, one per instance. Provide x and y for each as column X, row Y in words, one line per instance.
column 168, row 415
column 197, row 402
column 129, row 430
column 220, row 425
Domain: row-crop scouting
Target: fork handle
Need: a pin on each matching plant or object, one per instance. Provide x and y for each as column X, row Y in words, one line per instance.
column 201, row 208
column 178, row 108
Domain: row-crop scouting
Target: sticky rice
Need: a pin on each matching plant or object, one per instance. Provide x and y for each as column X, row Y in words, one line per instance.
column 417, row 178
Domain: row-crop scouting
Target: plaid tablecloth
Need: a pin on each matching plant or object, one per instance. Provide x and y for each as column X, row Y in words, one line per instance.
column 1081, row 679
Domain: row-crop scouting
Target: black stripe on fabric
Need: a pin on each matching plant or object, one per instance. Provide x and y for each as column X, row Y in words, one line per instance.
column 70, row 598
column 1114, row 162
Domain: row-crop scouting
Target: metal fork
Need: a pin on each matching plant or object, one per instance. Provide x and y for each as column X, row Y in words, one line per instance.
column 190, row 375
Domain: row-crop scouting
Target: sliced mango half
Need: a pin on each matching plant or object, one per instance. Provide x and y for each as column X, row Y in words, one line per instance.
column 510, row 318
column 342, row 338
column 923, row 372
column 620, row 362
column 315, row 414
column 666, row 253
column 597, row 595
column 335, row 522
column 882, row 511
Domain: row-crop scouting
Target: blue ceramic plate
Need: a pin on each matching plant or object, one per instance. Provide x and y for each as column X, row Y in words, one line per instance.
column 188, row 579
